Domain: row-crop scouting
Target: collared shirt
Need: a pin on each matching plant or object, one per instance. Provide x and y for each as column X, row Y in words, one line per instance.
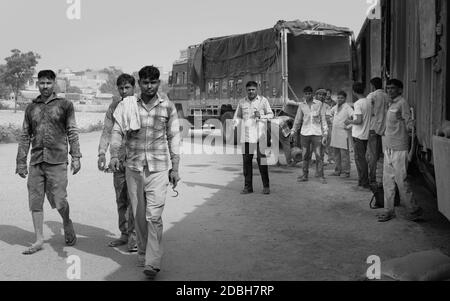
column 157, row 144
column 48, row 125
column 252, row 129
column 398, row 120
column 341, row 133
column 379, row 100
column 362, row 107
column 311, row 119
column 105, row 138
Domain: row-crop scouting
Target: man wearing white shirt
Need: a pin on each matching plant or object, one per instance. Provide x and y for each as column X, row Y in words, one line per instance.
column 360, row 133
column 254, row 111
column 314, row 131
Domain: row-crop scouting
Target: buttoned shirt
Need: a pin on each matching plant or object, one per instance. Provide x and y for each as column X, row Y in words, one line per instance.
column 398, row 121
column 49, row 126
column 312, row 119
column 379, row 101
column 253, row 129
column 105, row 138
column 157, row 143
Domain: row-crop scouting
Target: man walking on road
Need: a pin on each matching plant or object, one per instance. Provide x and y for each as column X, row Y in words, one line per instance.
column 48, row 125
column 360, row 133
column 314, row 131
column 152, row 150
column 254, row 111
column 125, row 86
column 396, row 147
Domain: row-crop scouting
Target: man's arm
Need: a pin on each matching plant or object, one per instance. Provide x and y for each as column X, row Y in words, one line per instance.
column 174, row 137
column 72, row 133
column 268, row 113
column 298, row 119
column 105, row 138
column 406, row 115
column 323, row 114
column 24, row 146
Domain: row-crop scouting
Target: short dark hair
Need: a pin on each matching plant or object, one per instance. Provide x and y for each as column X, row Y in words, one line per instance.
column 396, row 82
column 342, row 93
column 125, row 78
column 377, row 83
column 358, row 87
column 149, row 72
column 47, row 74
column 308, row 89
column 251, row 84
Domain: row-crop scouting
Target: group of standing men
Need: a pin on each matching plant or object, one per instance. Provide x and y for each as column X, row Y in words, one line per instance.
column 143, row 134
column 377, row 126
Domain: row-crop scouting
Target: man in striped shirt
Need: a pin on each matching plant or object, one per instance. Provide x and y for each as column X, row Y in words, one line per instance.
column 153, row 155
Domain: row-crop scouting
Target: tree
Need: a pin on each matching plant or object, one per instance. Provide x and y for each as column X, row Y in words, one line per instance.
column 110, row 85
column 72, row 89
column 5, row 90
column 19, row 70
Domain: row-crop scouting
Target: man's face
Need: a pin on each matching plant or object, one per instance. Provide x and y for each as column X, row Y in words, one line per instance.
column 46, row 86
column 149, row 87
column 341, row 100
column 393, row 91
column 251, row 93
column 125, row 90
column 308, row 96
column 321, row 96
column 328, row 95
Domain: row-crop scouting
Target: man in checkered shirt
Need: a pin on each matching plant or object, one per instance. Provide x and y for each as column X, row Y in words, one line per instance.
column 153, row 155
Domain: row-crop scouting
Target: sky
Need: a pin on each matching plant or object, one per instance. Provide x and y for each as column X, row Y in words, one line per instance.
column 134, row 33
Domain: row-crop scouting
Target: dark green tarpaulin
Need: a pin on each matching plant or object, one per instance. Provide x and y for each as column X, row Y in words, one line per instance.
column 251, row 53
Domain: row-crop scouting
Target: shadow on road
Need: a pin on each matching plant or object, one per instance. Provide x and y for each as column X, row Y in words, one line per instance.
column 13, row 235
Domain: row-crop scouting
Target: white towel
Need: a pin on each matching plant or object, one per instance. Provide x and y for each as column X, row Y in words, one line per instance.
column 127, row 114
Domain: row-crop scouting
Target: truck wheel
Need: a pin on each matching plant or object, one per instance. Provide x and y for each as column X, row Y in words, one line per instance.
column 227, row 130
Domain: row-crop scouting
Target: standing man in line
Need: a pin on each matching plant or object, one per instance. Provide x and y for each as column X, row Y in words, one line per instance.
column 341, row 135
column 153, row 156
column 125, row 86
column 360, row 133
column 379, row 101
column 314, row 131
column 49, row 125
column 254, row 111
column 396, row 147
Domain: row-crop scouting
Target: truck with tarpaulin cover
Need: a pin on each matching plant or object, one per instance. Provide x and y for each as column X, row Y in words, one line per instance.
column 209, row 79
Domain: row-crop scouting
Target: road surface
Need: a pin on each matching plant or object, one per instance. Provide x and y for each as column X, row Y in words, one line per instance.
column 305, row 231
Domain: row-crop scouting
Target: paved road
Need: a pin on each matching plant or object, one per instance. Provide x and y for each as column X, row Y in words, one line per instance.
column 300, row 232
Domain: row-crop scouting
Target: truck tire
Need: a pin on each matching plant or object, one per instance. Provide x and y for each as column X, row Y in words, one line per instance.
column 227, row 131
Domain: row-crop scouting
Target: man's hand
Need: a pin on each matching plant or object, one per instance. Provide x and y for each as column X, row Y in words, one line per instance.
column 174, row 178
column 101, row 163
column 257, row 115
column 324, row 141
column 292, row 136
column 114, row 164
column 22, row 172
column 75, row 166
column 348, row 122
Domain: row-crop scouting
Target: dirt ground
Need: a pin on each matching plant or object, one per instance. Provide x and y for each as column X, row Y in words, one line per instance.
column 308, row 231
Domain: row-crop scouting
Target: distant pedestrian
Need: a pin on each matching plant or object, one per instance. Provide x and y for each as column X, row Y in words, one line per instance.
column 125, row 86
column 396, row 147
column 49, row 125
column 341, row 135
column 254, row 111
column 152, row 162
column 379, row 101
column 314, row 131
column 360, row 133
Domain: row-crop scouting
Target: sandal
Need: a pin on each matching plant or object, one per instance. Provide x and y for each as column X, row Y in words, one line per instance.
column 31, row 250
column 69, row 235
column 118, row 242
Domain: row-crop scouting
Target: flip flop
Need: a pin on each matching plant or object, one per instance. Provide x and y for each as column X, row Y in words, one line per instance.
column 31, row 250
column 385, row 217
column 69, row 235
